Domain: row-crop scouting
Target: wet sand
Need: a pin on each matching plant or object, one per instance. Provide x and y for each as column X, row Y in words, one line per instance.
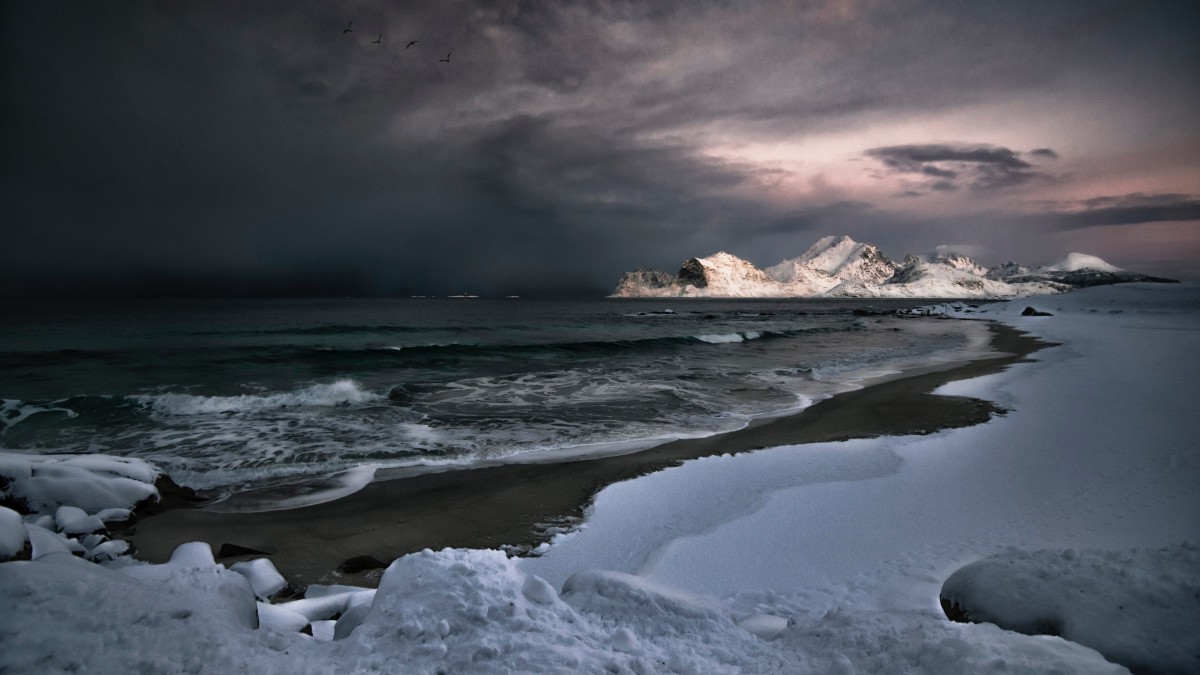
column 511, row 504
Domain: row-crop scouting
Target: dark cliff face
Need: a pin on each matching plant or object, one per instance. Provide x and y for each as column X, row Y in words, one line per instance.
column 645, row 278
column 1089, row 277
column 1008, row 271
column 911, row 270
column 692, row 272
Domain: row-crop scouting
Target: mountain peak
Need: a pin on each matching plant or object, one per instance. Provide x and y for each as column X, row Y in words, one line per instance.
column 840, row 257
column 1081, row 261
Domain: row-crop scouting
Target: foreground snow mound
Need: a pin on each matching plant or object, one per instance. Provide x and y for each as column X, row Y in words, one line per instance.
column 1139, row 607
column 865, row 641
column 464, row 611
column 63, row 614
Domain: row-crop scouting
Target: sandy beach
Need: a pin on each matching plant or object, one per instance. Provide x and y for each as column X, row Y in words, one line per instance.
column 511, row 505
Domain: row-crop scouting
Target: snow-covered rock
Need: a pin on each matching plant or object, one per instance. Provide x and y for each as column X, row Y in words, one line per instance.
column 321, row 607
column 262, row 575
column 1138, row 607
column 12, row 533
column 88, row 482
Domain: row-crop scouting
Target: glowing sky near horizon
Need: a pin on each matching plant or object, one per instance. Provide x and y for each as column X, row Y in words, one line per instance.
column 259, row 149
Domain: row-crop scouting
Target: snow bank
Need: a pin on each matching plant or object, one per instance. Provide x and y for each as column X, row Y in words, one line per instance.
column 63, row 614
column 1140, row 608
column 464, row 612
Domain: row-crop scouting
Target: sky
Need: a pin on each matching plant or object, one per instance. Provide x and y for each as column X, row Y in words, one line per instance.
column 151, row 148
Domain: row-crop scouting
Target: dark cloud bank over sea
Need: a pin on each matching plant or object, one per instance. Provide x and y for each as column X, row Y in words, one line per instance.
column 257, row 149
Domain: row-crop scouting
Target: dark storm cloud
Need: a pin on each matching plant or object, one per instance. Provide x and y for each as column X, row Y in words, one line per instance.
column 256, row 148
column 1131, row 209
column 817, row 218
column 980, row 167
column 1044, row 153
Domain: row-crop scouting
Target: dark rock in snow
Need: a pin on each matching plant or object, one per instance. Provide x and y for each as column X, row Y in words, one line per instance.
column 230, row 550
column 1029, row 311
column 361, row 563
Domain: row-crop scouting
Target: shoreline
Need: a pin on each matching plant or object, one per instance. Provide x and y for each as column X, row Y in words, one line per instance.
column 516, row 505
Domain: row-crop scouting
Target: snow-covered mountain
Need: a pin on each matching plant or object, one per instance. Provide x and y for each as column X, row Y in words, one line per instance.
column 842, row 267
column 1081, row 261
column 840, row 259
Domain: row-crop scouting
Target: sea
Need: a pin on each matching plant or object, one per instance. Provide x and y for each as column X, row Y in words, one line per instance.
column 235, row 395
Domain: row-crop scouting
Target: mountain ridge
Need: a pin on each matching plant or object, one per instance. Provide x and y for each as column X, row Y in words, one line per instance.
column 838, row 266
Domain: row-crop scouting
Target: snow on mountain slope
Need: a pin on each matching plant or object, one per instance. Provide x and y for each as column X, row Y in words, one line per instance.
column 724, row 274
column 839, row 257
column 952, row 276
column 721, row 275
column 1009, row 270
column 963, row 263
column 1081, row 261
column 800, row 280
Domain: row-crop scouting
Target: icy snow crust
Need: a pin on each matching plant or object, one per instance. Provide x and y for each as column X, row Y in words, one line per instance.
column 824, row 558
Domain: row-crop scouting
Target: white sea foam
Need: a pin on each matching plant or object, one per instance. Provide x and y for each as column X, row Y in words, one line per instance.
column 729, row 337
column 315, row 492
column 425, row 345
column 328, row 394
column 14, row 412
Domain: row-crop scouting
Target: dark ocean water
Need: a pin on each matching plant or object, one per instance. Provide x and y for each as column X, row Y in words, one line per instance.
column 239, row 392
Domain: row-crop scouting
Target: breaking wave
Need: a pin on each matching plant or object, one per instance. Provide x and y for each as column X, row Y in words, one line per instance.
column 729, row 337
column 341, row 392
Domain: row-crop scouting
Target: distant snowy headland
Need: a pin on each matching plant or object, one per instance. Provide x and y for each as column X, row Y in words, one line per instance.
column 839, row 267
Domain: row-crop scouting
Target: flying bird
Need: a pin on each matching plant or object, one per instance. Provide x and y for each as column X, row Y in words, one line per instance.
column 348, row 30
column 379, row 41
column 412, row 43
column 447, row 59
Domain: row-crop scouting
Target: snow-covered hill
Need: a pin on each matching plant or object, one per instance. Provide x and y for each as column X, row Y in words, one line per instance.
column 1081, row 261
column 838, row 266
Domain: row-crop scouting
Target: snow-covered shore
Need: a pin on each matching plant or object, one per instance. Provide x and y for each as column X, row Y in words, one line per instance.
column 816, row 558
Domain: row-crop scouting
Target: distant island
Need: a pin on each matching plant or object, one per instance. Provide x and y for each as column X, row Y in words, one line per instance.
column 839, row 267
